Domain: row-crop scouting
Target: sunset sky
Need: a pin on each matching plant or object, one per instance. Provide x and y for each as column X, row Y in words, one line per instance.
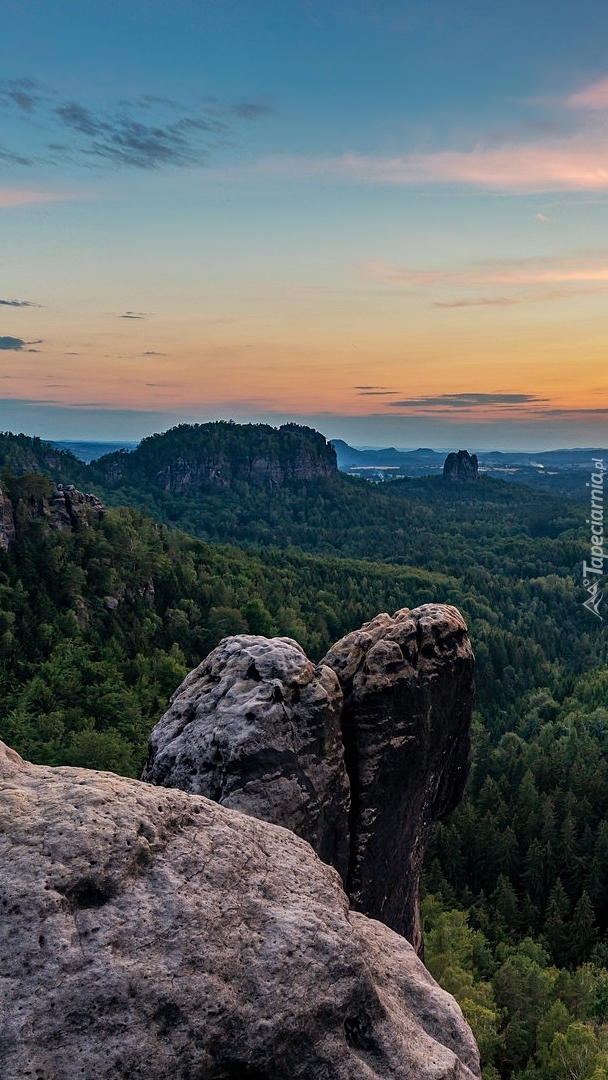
column 386, row 219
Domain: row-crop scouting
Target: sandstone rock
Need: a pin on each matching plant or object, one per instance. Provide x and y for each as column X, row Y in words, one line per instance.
column 73, row 509
column 7, row 522
column 408, row 696
column 155, row 935
column 257, row 727
column 460, row 466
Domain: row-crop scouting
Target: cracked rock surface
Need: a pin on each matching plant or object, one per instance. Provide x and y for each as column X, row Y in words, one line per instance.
column 408, row 684
column 260, row 728
column 256, row 727
column 155, row 935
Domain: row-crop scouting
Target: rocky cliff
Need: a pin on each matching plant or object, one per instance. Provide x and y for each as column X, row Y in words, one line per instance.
column 461, row 466
column 408, row 684
column 256, row 726
column 35, row 496
column 155, row 935
column 222, row 454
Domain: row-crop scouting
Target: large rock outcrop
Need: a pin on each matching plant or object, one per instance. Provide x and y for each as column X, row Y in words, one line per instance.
column 408, row 684
column 155, row 935
column 35, row 499
column 73, row 509
column 461, row 466
column 193, row 457
column 257, row 726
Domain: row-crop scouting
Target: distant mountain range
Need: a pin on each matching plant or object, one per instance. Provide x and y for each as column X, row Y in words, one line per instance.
column 90, row 451
column 562, row 472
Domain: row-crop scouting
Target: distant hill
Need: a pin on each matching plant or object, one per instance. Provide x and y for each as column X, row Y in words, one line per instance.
column 192, row 457
column 379, row 464
column 560, row 472
column 91, row 451
column 26, row 454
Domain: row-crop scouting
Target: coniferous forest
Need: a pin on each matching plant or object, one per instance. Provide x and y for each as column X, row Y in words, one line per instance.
column 99, row 625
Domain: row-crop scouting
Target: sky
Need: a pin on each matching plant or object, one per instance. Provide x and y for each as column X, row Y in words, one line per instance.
column 386, row 219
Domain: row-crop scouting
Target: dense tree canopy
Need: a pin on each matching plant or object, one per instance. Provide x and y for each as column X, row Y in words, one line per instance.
column 98, row 627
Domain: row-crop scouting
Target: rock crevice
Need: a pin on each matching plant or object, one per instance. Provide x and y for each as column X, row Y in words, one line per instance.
column 360, row 755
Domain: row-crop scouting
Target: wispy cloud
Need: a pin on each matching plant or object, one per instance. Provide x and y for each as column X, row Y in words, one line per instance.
column 375, row 391
column 16, row 344
column 19, row 303
column 570, row 154
column 524, row 280
column 144, row 133
column 468, row 401
column 576, row 163
column 480, row 301
column 593, row 97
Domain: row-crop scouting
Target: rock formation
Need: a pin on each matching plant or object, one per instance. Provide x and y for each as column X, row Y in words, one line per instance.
column 408, row 697
column 256, row 727
column 155, row 935
column 73, row 509
column 461, row 466
column 63, row 508
column 7, row 522
column 193, row 456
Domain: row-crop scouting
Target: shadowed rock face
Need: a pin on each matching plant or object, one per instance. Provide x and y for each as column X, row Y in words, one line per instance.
column 257, row 727
column 461, row 466
column 151, row 934
column 66, row 508
column 7, row 522
column 72, row 508
column 408, row 697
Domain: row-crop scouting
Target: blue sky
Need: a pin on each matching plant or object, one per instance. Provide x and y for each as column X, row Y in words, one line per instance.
column 386, row 219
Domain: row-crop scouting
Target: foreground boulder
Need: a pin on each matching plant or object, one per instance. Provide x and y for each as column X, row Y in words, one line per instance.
column 408, row 684
column 155, row 935
column 257, row 727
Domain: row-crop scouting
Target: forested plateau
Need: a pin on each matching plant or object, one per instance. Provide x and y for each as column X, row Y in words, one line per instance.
column 99, row 624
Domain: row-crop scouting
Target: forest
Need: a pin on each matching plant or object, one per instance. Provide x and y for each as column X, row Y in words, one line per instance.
column 99, row 626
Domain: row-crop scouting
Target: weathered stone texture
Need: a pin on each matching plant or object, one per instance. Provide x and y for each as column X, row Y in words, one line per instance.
column 257, row 727
column 408, row 684
column 72, row 509
column 151, row 934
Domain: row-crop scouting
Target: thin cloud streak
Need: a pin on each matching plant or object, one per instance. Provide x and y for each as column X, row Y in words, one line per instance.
column 572, row 161
column 19, row 303
column 527, row 272
column 468, row 401
column 10, row 197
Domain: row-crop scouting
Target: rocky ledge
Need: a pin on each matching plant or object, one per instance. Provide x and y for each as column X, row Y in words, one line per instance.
column 361, row 755
column 156, row 935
